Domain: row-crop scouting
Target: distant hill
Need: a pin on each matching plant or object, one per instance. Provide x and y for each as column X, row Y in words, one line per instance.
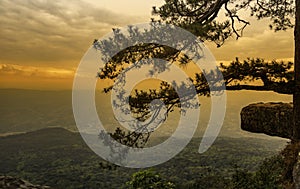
column 29, row 110
column 59, row 158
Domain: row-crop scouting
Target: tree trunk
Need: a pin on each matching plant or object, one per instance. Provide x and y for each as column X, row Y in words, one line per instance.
column 296, row 96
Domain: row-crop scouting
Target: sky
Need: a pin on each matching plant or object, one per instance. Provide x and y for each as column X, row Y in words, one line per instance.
column 43, row 41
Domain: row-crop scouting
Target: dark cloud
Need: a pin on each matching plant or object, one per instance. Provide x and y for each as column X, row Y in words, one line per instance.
column 58, row 32
column 42, row 31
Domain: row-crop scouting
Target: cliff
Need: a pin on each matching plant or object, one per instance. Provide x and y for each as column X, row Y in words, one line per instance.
column 274, row 119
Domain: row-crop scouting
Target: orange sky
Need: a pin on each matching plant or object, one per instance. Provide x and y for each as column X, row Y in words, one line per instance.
column 42, row 42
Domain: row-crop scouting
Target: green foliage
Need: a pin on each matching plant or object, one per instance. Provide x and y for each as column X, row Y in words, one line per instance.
column 268, row 176
column 60, row 159
column 148, row 179
column 242, row 179
column 269, row 173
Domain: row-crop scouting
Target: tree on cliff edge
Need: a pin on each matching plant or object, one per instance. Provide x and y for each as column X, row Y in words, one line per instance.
column 200, row 18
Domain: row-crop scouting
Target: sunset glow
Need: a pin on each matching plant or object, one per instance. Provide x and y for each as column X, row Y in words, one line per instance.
column 42, row 42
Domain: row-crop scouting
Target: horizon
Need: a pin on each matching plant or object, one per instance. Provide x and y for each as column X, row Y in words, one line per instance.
column 42, row 52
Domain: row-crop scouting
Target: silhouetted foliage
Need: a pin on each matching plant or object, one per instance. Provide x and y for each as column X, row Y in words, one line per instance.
column 275, row 75
column 199, row 17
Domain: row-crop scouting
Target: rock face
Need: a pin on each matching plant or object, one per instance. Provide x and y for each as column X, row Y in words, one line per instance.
column 7, row 182
column 274, row 119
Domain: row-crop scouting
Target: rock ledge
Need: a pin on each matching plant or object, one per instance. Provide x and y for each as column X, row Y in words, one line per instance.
column 274, row 119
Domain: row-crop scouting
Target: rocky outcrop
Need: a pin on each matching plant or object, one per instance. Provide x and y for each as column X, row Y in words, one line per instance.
column 274, row 119
column 8, row 182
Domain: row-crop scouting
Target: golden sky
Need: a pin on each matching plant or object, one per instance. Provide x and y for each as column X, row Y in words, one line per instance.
column 43, row 41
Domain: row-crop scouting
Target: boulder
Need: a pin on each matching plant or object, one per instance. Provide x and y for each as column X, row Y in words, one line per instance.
column 274, row 119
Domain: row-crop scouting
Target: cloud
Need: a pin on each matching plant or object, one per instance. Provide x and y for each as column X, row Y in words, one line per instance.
column 43, row 31
column 35, row 72
column 257, row 41
column 49, row 37
column 58, row 32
